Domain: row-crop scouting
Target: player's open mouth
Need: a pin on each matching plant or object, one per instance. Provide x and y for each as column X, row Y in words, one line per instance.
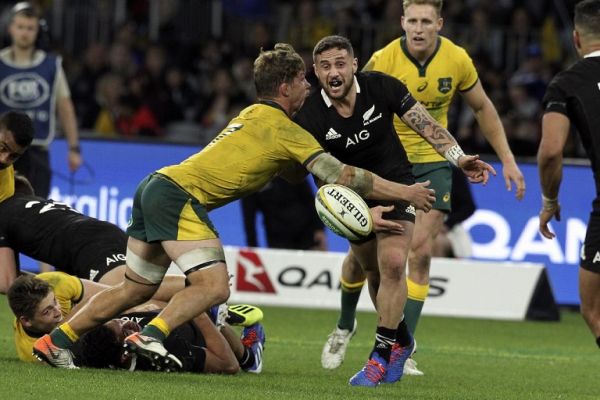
column 334, row 83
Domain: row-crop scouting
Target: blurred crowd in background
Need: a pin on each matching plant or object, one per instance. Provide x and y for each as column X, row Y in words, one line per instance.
column 179, row 70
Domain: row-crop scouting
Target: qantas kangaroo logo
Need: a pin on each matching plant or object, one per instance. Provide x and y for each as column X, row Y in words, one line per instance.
column 251, row 274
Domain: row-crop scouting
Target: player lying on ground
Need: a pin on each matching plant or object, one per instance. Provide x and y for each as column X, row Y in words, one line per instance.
column 201, row 346
column 41, row 302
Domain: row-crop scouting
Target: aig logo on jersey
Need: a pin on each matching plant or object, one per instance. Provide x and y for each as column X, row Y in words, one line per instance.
column 357, row 138
column 24, row 90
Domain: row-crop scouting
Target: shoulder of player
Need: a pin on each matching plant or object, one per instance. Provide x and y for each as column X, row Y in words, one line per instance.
column 447, row 45
column 566, row 78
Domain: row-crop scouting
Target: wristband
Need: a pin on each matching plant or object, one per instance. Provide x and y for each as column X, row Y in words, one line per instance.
column 75, row 149
column 453, row 154
column 548, row 203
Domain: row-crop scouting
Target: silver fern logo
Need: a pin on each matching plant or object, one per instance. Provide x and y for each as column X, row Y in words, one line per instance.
column 368, row 113
column 367, row 116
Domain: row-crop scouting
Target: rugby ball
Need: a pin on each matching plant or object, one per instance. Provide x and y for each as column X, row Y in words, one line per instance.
column 343, row 211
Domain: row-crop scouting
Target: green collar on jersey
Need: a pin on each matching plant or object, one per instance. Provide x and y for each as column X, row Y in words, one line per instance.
column 422, row 68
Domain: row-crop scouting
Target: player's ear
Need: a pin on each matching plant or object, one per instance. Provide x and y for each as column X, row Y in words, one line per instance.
column 576, row 39
column 354, row 65
column 440, row 24
column 26, row 322
column 284, row 89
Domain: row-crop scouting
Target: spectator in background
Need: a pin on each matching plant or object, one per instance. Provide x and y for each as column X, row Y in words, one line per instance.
column 109, row 89
column 223, row 99
column 483, row 38
column 36, row 93
column 121, row 60
column 181, row 98
column 95, row 65
column 136, row 119
column 309, row 25
column 288, row 214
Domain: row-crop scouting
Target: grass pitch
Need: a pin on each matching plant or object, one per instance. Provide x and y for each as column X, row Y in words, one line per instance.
column 461, row 358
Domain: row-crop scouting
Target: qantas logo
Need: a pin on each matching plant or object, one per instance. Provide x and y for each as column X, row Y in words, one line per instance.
column 252, row 274
column 332, row 134
column 367, row 116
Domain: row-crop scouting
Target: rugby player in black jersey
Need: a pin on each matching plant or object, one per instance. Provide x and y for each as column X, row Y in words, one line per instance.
column 199, row 344
column 352, row 118
column 573, row 97
column 54, row 233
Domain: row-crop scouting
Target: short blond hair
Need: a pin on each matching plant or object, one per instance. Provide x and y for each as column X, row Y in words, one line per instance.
column 437, row 4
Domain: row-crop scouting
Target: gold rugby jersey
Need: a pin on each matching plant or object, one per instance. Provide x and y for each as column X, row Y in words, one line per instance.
column 246, row 155
column 68, row 290
column 7, row 182
column 433, row 84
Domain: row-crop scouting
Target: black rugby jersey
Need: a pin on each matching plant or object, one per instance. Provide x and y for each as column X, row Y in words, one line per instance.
column 185, row 342
column 575, row 93
column 367, row 139
column 54, row 233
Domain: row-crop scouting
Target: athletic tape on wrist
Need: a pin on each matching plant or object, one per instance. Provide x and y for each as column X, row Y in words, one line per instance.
column 548, row 203
column 453, row 154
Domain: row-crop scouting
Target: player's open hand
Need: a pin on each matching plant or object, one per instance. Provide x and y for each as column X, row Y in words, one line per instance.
column 512, row 174
column 475, row 170
column 420, row 196
column 384, row 225
column 546, row 214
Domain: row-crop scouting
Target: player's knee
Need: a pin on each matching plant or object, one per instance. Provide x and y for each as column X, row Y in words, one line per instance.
column 231, row 368
column 221, row 295
column 392, row 265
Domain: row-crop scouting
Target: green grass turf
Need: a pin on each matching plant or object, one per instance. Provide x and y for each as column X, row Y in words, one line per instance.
column 462, row 359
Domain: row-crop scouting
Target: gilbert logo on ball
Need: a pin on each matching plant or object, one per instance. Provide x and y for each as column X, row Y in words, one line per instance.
column 343, row 211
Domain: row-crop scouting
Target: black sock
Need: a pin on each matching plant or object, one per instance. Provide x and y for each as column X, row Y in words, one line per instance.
column 403, row 336
column 247, row 360
column 598, row 341
column 384, row 339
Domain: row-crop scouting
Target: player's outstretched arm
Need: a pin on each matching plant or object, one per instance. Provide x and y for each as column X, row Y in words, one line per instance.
column 491, row 126
column 555, row 131
column 369, row 185
column 419, row 119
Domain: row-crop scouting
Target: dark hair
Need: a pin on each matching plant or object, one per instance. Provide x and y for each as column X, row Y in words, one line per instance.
column 274, row 67
column 20, row 125
column 333, row 42
column 25, row 9
column 25, row 294
column 587, row 17
column 98, row 348
column 22, row 185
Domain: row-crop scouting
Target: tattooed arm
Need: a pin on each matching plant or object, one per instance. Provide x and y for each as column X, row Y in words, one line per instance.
column 419, row 119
